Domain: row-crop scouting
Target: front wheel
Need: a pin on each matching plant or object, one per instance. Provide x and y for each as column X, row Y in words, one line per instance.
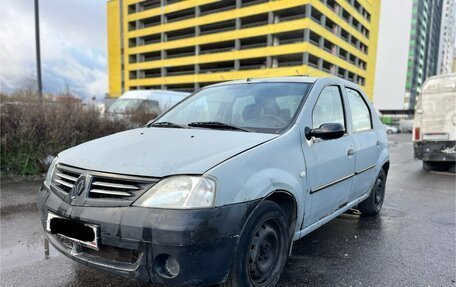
column 262, row 250
column 373, row 204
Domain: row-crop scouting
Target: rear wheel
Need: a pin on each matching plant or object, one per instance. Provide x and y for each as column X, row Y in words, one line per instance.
column 373, row 204
column 435, row 165
column 262, row 249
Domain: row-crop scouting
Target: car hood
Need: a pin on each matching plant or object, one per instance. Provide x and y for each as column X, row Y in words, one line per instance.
column 160, row 152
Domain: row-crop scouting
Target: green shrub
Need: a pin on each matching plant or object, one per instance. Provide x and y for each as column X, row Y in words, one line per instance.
column 32, row 129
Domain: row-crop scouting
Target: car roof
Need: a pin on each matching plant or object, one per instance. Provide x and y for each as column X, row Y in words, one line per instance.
column 292, row 79
column 440, row 84
column 298, row 79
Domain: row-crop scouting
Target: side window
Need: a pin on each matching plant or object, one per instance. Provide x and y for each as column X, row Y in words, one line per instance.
column 329, row 108
column 361, row 117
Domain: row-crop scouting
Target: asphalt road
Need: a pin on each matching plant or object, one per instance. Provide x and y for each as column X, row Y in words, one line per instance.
column 412, row 242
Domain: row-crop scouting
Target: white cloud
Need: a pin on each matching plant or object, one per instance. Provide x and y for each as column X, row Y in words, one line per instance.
column 74, row 72
column 73, row 44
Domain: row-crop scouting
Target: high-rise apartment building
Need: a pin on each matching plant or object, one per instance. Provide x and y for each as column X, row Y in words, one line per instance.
column 424, row 47
column 408, row 51
column 447, row 37
column 185, row 45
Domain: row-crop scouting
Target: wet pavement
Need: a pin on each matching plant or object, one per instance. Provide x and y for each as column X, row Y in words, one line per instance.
column 412, row 242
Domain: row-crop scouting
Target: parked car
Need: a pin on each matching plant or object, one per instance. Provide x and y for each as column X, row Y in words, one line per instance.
column 391, row 129
column 149, row 103
column 216, row 189
column 434, row 131
column 406, row 125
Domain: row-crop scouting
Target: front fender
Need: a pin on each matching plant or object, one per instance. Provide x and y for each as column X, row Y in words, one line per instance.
column 254, row 174
column 266, row 181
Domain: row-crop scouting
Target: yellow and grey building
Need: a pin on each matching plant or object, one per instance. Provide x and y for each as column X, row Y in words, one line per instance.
column 186, row 45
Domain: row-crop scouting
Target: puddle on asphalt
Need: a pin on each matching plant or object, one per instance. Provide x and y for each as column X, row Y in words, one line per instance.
column 25, row 253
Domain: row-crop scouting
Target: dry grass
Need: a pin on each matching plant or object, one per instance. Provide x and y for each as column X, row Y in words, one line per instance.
column 32, row 129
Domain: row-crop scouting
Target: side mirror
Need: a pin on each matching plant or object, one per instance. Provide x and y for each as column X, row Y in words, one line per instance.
column 327, row 131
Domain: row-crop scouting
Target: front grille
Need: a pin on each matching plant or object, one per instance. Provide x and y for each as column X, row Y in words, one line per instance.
column 102, row 186
column 108, row 187
column 64, row 178
column 116, row 254
column 110, row 256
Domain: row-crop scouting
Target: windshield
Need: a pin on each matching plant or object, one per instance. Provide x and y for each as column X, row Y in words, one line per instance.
column 127, row 106
column 259, row 107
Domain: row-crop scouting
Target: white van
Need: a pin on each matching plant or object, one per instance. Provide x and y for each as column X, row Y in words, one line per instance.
column 434, row 130
column 154, row 102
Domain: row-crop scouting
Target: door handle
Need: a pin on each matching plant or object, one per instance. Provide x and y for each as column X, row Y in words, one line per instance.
column 351, row 152
column 378, row 142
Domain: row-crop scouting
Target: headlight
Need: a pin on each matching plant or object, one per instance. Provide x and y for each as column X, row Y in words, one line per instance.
column 180, row 192
column 51, row 171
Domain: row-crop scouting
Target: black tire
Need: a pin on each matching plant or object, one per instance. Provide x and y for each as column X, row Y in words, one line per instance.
column 427, row 165
column 389, row 132
column 435, row 165
column 262, row 249
column 372, row 205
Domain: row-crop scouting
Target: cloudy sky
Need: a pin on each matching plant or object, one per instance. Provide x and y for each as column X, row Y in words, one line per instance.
column 73, row 45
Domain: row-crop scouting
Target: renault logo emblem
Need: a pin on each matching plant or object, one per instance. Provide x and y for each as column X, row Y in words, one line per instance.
column 78, row 187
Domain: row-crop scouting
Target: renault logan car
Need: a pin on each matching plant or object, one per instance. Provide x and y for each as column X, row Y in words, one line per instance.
column 216, row 189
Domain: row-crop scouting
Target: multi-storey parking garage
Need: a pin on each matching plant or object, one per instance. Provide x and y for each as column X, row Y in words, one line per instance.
column 186, row 45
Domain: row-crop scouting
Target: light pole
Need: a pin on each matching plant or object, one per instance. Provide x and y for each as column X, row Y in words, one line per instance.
column 38, row 52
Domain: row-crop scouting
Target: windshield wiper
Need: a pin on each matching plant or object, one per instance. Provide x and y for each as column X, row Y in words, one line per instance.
column 167, row 125
column 217, row 125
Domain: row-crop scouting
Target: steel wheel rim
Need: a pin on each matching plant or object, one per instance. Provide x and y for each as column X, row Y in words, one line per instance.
column 379, row 192
column 264, row 253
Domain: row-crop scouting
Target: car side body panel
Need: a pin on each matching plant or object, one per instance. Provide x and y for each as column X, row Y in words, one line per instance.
column 280, row 165
column 328, row 162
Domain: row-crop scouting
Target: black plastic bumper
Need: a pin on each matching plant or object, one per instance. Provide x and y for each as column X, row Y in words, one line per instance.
column 442, row 151
column 133, row 240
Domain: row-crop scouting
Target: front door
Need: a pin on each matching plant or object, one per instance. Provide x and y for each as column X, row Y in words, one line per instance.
column 330, row 163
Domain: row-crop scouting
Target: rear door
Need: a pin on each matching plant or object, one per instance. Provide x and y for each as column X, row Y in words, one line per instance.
column 330, row 163
column 367, row 143
column 438, row 116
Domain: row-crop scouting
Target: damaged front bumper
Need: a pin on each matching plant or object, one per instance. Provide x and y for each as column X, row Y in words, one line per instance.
column 171, row 247
column 441, row 151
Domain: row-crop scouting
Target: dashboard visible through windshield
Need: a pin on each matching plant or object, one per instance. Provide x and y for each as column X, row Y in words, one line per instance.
column 257, row 107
